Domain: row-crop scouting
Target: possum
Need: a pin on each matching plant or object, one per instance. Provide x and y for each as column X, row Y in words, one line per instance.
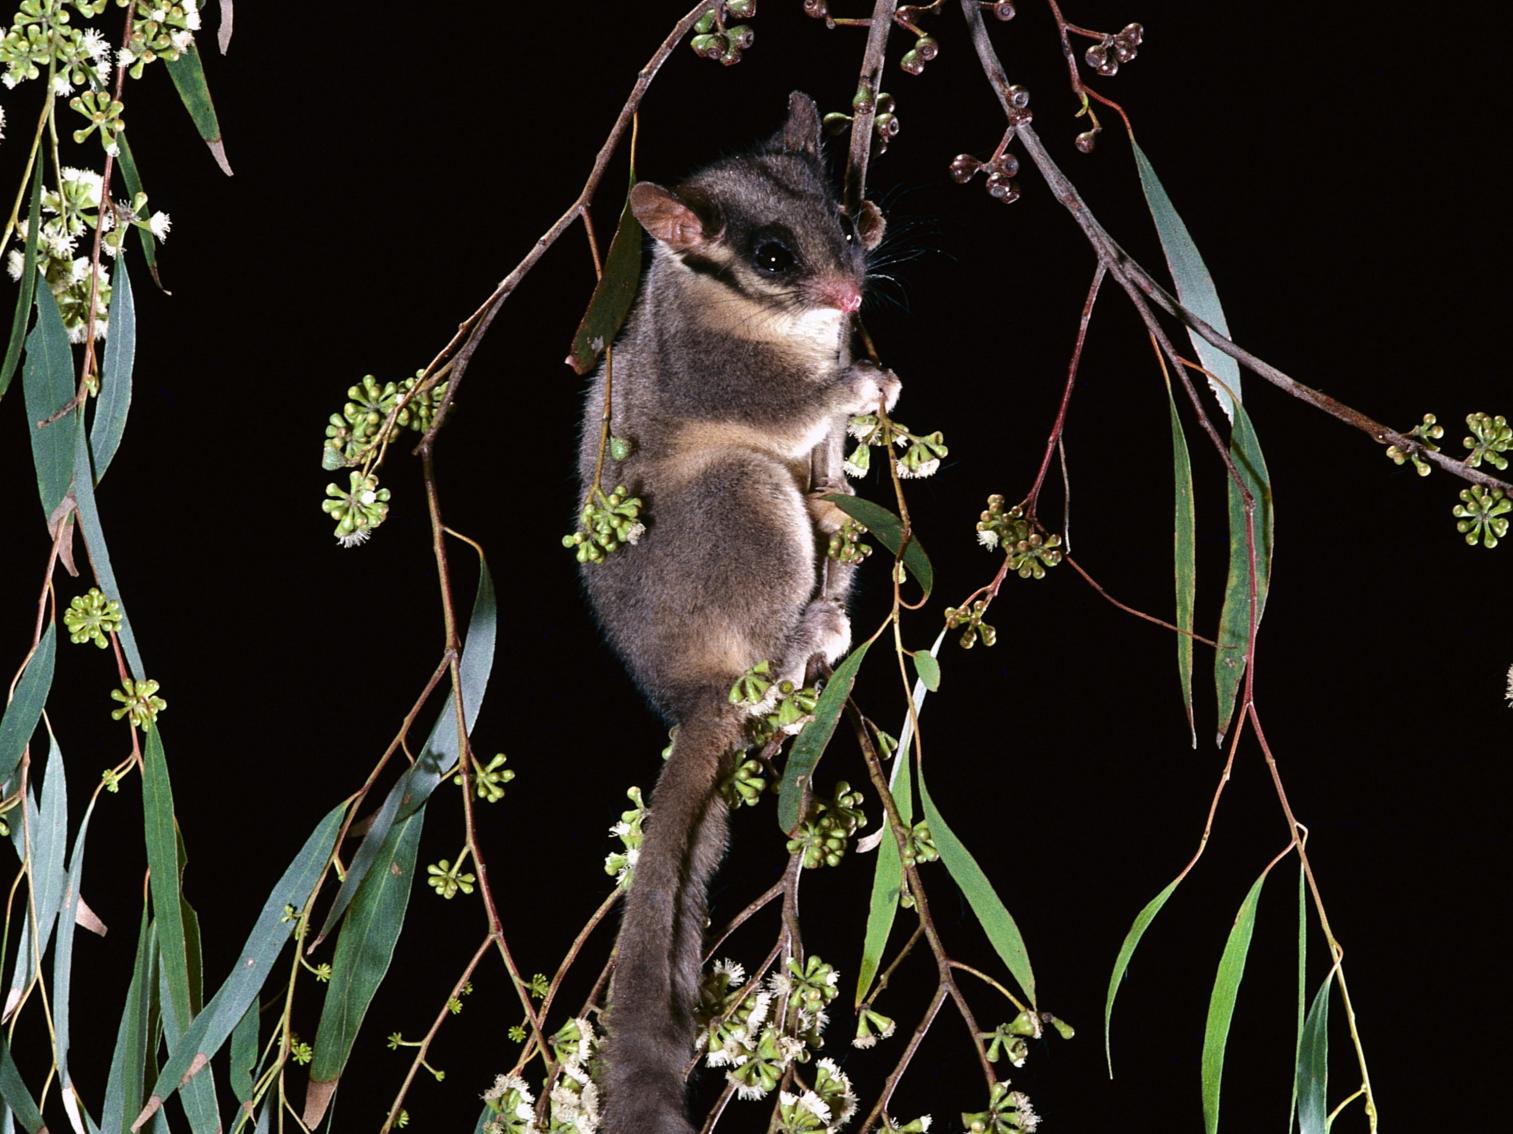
column 733, row 365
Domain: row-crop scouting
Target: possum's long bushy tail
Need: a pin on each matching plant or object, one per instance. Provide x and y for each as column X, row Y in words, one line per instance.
column 659, row 952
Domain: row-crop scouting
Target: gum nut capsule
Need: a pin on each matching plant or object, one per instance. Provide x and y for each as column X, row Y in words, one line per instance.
column 817, row 9
column 1086, row 141
column 741, row 9
column 912, row 63
column 1135, row 33
column 1019, row 97
column 1095, row 56
column 1123, row 51
column 1007, row 164
column 928, row 47
column 1003, row 10
column 963, row 168
column 741, row 37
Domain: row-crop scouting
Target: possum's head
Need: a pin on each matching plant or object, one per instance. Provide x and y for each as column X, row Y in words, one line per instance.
column 772, row 254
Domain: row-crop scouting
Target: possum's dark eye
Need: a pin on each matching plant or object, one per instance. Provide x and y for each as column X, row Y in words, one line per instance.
column 773, row 257
column 848, row 230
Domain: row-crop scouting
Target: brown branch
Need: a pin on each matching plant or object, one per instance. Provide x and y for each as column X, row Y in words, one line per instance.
column 905, row 1057
column 1151, row 618
column 1066, row 396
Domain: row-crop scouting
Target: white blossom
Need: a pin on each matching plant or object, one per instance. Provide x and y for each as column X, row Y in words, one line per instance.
column 747, row 1092
column 734, row 972
column 96, row 45
column 814, row 1105
column 988, row 538
column 635, row 533
column 15, row 263
column 925, row 468
column 62, row 88
column 192, row 14
column 856, row 472
column 1510, row 687
column 160, row 224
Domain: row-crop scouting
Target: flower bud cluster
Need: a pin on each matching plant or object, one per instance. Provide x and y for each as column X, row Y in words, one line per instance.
column 822, row 838
column 1490, row 438
column 922, row 452
column 1009, row 1112
column 621, row 864
column 606, row 524
column 714, row 39
column 1481, row 515
column 1108, row 53
column 846, row 545
column 1426, row 433
column 358, row 509
column 91, row 616
column 363, row 426
column 1029, row 549
column 999, row 174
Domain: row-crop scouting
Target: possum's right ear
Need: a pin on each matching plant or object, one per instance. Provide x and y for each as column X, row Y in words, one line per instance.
column 678, row 223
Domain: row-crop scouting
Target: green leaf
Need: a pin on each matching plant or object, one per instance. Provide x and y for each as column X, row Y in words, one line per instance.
column 115, row 382
column 613, row 294
column 1302, row 982
column 1234, row 619
column 928, row 670
column 213, row 1026
column 1311, row 1082
column 188, row 75
column 27, row 285
column 170, row 924
column 364, row 951
column 1221, row 1002
column 63, row 956
column 129, row 1062
column 47, row 377
column 15, row 1093
column 99, row 554
column 1195, row 287
column 888, row 876
column 1143, row 920
column 128, row 165
column 25, row 709
column 811, row 742
column 241, row 1076
column 888, row 529
column 412, row 789
column 1185, row 558
column 992, row 914
column 46, row 830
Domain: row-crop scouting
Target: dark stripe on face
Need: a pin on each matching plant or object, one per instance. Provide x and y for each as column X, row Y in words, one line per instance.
column 715, row 270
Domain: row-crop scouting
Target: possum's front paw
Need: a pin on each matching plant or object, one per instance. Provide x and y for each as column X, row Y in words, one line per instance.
column 826, row 630
column 869, row 384
column 827, row 518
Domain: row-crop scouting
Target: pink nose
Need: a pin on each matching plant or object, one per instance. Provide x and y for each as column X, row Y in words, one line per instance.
column 842, row 294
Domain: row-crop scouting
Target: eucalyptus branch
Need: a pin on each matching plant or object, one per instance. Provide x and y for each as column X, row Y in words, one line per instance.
column 1140, row 614
column 1033, row 497
column 905, row 1057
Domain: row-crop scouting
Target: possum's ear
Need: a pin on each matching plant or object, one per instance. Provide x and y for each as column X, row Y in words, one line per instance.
column 870, row 225
column 801, row 132
column 676, row 221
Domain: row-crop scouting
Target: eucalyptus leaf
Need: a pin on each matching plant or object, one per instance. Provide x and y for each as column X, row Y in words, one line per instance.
column 810, row 744
column 63, row 960
column 1221, row 1001
column 1142, row 922
column 14, row 1091
column 25, row 709
column 26, row 286
column 613, row 294
column 1185, row 558
column 134, row 186
column 889, row 530
column 188, row 75
column 928, row 670
column 994, row 917
column 1311, row 1081
column 115, row 381
column 129, row 1061
column 1234, row 619
column 41, row 842
column 47, row 379
column 99, row 554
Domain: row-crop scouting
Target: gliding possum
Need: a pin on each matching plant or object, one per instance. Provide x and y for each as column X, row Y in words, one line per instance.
column 733, row 365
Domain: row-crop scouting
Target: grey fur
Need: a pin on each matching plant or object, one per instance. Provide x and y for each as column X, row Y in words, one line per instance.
column 725, row 378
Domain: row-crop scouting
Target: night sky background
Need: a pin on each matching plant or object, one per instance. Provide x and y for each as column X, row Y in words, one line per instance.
column 1338, row 167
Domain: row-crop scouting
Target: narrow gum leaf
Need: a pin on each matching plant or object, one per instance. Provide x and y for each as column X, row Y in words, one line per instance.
column 134, row 186
column 1234, row 619
column 128, row 1063
column 27, row 285
column 14, row 1091
column 47, row 378
column 115, row 379
column 992, row 914
column 46, row 830
column 99, row 554
column 888, row 529
column 364, row 951
column 439, row 753
column 1184, row 557
column 888, row 875
column 1195, row 286
column 1221, row 1001
column 810, row 743
column 613, row 294
column 1311, row 1081
column 25, row 709
column 1142, row 922
column 1302, row 1009
column 271, row 933
column 243, row 1070
column 188, row 75
column 63, row 962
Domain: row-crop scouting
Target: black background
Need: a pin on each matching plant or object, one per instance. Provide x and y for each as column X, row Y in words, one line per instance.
column 1340, row 168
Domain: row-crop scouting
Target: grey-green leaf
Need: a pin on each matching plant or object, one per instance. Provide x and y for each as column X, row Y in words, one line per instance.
column 889, row 530
column 27, row 285
column 928, row 670
column 992, row 914
column 133, row 187
column 188, row 75
column 99, row 554
column 1195, row 286
column 242, row 1074
column 412, row 789
column 46, row 830
column 63, row 956
column 25, row 710
column 128, row 1063
column 213, row 1026
column 15, row 1093
column 1234, row 619
column 364, row 951
column 47, row 377
column 1185, row 558
column 1311, row 1081
column 115, row 381
column 810, row 744
column 1221, row 1001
